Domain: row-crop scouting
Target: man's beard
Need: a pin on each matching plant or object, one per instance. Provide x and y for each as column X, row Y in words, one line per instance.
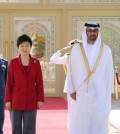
column 93, row 38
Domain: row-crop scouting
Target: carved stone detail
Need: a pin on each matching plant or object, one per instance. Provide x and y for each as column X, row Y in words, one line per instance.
column 82, row 1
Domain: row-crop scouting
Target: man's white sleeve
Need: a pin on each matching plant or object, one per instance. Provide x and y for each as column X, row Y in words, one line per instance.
column 57, row 59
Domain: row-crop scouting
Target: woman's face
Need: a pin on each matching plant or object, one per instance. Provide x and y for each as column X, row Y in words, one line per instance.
column 24, row 48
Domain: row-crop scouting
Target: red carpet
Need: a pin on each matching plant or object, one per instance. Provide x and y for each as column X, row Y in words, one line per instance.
column 51, row 119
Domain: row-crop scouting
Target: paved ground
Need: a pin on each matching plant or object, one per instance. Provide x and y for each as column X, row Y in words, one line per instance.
column 115, row 118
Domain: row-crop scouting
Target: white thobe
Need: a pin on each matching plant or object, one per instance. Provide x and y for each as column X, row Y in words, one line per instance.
column 93, row 99
column 64, row 60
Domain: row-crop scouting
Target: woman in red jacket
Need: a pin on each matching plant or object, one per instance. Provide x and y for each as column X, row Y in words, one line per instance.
column 24, row 89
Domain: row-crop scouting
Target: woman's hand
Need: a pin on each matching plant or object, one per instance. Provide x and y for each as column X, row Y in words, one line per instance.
column 8, row 105
column 73, row 96
column 39, row 104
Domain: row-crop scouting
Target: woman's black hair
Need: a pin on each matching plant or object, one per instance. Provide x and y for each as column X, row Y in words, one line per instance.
column 24, row 38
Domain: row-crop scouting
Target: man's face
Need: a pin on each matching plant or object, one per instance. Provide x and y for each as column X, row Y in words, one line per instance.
column 92, row 34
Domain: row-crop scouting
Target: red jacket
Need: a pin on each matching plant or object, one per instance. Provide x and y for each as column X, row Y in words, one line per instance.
column 24, row 89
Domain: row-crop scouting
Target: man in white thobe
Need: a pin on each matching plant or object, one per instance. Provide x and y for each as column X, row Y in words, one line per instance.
column 62, row 57
column 92, row 78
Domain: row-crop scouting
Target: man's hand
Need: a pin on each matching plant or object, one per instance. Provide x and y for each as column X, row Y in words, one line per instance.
column 65, row 50
column 39, row 104
column 8, row 105
column 73, row 96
